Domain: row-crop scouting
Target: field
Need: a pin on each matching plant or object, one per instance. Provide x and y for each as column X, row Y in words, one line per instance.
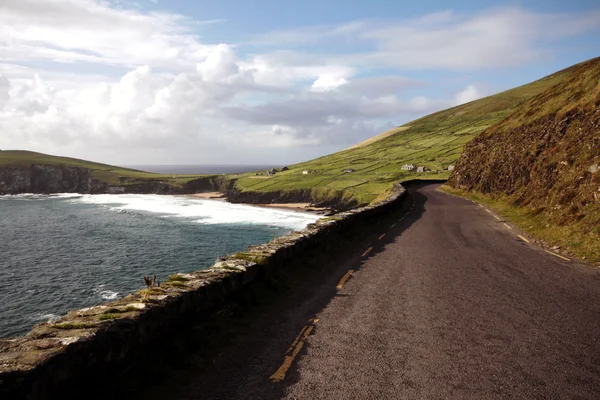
column 435, row 141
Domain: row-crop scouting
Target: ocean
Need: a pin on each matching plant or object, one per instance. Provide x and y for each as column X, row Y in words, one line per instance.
column 67, row 251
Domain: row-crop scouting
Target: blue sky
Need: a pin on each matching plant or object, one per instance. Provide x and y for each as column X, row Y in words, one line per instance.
column 201, row 82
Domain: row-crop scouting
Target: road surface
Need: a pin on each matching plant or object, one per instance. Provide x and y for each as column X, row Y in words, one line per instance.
column 446, row 303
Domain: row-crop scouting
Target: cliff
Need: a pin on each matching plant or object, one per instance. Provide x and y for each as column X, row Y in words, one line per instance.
column 545, row 157
column 48, row 179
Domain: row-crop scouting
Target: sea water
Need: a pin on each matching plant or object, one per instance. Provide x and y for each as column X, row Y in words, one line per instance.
column 67, row 251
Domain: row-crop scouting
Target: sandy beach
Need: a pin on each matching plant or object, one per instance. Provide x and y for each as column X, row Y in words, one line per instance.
column 302, row 207
column 210, row 196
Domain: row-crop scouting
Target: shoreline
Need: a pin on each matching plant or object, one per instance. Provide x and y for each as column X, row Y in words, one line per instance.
column 298, row 207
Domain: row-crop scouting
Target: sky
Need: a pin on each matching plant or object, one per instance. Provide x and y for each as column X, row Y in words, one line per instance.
column 263, row 82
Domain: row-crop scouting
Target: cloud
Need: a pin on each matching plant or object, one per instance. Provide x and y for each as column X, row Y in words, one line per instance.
column 94, row 32
column 504, row 36
column 470, row 93
column 146, row 89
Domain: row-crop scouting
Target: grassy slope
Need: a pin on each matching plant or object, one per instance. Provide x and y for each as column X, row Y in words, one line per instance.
column 534, row 166
column 103, row 172
column 435, row 141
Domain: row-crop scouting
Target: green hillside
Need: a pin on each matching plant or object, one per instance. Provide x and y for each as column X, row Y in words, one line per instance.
column 103, row 172
column 434, row 141
column 540, row 166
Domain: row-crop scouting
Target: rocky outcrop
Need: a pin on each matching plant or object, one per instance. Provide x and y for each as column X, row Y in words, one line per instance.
column 49, row 179
column 91, row 346
column 545, row 155
column 337, row 200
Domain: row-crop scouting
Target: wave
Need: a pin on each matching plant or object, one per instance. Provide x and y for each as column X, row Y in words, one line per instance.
column 200, row 211
column 104, row 293
column 45, row 317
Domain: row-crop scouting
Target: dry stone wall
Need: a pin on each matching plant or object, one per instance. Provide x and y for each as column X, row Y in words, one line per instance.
column 96, row 341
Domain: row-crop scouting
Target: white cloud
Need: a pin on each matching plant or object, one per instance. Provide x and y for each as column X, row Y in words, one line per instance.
column 327, row 82
column 470, row 93
column 147, row 90
column 93, row 31
column 498, row 37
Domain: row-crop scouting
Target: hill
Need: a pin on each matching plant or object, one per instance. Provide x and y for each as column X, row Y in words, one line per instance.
column 435, row 141
column 26, row 170
column 543, row 161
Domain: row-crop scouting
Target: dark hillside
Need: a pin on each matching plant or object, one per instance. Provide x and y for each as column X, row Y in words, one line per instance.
column 545, row 157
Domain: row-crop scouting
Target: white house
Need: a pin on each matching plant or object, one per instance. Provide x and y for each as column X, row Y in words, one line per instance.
column 450, row 167
column 408, row 167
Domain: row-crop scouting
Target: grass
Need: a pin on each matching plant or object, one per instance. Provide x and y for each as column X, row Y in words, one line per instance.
column 177, row 278
column 260, row 260
column 537, row 225
column 103, row 172
column 75, row 325
column 109, row 316
column 435, row 141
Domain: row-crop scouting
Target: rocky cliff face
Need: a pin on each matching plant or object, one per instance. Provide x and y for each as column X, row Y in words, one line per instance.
column 546, row 155
column 49, row 179
column 45, row 179
column 335, row 201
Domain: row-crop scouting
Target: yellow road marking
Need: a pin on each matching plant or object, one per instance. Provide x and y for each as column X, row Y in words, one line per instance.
column 507, row 225
column 367, row 251
column 557, row 255
column 497, row 217
column 479, row 205
column 381, row 237
column 344, row 279
column 488, row 211
column 522, row 238
column 293, row 351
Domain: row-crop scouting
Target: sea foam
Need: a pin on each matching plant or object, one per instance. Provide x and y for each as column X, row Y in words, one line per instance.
column 199, row 210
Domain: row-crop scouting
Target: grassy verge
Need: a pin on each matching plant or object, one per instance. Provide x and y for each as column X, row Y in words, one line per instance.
column 572, row 238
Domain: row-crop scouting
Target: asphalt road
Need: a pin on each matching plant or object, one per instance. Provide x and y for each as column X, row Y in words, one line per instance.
column 448, row 304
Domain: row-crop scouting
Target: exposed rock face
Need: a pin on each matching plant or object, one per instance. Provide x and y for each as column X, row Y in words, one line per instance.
column 543, row 156
column 48, row 179
column 335, row 200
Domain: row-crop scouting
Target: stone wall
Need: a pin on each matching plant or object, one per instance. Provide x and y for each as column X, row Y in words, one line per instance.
column 96, row 341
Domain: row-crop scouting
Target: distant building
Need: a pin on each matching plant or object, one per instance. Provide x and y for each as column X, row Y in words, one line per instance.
column 408, row 167
column 347, row 170
column 422, row 169
column 284, row 168
column 309, row 171
column 450, row 167
column 305, row 172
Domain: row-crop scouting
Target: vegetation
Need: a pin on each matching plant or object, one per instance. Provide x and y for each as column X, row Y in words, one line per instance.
column 541, row 164
column 75, row 325
column 105, row 173
column 108, row 316
column 435, row 141
column 177, row 278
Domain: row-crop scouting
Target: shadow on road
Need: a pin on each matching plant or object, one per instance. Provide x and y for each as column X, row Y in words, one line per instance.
column 248, row 339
